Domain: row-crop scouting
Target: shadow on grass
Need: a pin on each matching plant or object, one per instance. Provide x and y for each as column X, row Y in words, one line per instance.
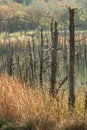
column 76, row 127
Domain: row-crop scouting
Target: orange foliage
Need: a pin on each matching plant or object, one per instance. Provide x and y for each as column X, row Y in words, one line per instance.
column 7, row 10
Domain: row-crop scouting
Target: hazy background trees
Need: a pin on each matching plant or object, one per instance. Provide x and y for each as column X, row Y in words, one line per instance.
column 30, row 14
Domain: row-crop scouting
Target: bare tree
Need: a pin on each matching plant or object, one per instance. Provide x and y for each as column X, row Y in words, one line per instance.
column 41, row 59
column 54, row 36
column 72, row 57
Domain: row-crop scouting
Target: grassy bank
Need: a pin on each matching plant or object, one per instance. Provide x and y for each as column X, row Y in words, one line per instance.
column 20, row 106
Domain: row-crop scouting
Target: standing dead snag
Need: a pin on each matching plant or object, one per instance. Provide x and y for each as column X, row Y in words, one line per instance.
column 54, row 36
column 72, row 58
column 9, row 60
column 31, row 63
column 41, row 59
column 10, row 63
column 34, row 56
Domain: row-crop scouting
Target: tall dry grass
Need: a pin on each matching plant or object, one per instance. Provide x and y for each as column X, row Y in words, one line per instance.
column 21, row 104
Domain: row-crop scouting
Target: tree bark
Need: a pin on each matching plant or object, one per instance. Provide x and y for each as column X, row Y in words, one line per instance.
column 54, row 36
column 41, row 59
column 72, row 58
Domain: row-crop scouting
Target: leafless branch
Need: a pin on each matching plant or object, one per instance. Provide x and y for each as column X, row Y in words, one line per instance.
column 81, row 39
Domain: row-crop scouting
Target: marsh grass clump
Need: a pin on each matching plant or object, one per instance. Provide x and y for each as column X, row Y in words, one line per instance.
column 35, row 109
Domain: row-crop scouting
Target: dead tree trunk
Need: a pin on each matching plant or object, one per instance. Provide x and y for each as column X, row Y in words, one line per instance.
column 9, row 64
column 51, row 31
column 72, row 58
column 31, row 63
column 9, row 59
column 41, row 59
column 34, row 57
column 54, row 36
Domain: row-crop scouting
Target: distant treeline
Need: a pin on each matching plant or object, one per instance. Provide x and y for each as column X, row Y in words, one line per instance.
column 17, row 15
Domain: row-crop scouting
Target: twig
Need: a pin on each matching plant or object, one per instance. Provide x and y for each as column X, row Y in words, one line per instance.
column 63, row 81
